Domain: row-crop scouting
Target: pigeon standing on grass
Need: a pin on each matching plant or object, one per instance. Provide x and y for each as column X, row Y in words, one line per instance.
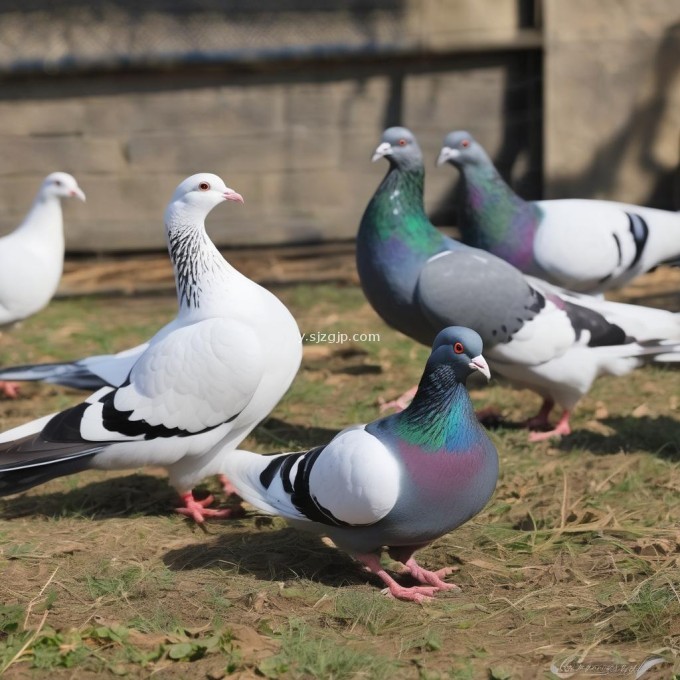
column 399, row 482
column 201, row 385
column 589, row 246
column 32, row 256
column 537, row 335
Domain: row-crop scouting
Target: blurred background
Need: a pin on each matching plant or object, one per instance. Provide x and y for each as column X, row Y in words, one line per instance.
column 286, row 100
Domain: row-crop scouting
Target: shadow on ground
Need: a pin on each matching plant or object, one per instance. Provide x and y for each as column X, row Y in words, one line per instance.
column 660, row 436
column 272, row 555
column 135, row 494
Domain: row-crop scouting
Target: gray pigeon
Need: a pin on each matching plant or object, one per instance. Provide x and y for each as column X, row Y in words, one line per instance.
column 539, row 336
column 589, row 246
column 400, row 482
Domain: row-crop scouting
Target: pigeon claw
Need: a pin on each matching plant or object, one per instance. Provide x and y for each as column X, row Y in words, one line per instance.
column 561, row 429
column 432, row 578
column 9, row 389
column 198, row 510
column 417, row 594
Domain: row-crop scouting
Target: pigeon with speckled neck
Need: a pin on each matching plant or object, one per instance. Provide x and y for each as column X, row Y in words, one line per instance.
column 400, row 482
column 589, row 246
column 191, row 394
column 537, row 335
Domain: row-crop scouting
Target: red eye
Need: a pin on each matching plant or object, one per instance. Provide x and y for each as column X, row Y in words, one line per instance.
column 402, row 142
column 458, row 348
column 465, row 143
column 204, row 186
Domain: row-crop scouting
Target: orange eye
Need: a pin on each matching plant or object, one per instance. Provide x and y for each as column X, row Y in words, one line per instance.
column 402, row 142
column 458, row 348
column 465, row 143
column 204, row 186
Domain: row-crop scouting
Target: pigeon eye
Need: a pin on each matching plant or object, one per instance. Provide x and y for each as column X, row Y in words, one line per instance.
column 204, row 186
column 57, row 182
column 465, row 143
column 458, row 348
column 402, row 142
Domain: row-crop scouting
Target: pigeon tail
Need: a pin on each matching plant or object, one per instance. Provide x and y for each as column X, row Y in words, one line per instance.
column 67, row 374
column 33, row 460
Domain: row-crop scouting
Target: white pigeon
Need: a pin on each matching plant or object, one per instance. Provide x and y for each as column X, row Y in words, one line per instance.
column 200, row 386
column 589, row 246
column 32, row 256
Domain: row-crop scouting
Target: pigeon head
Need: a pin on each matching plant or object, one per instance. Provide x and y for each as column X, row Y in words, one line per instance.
column 399, row 146
column 201, row 193
column 461, row 348
column 460, row 148
column 61, row 185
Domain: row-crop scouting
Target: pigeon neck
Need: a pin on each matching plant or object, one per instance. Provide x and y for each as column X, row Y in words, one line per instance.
column 202, row 275
column 397, row 211
column 495, row 218
column 441, row 416
column 45, row 218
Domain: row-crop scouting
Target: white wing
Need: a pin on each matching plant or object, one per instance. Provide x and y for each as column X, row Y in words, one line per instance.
column 353, row 480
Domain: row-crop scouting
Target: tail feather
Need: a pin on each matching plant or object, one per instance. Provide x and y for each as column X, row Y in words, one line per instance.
column 31, row 460
column 68, row 374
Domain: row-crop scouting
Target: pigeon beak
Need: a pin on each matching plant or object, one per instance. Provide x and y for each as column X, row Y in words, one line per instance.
column 385, row 149
column 78, row 193
column 478, row 363
column 447, row 154
column 231, row 195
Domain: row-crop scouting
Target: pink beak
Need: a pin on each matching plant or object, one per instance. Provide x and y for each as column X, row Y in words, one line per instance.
column 231, row 195
column 78, row 193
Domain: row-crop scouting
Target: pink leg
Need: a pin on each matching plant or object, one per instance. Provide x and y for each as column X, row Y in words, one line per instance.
column 228, row 488
column 412, row 594
column 540, row 420
column 401, row 402
column 198, row 510
column 433, row 578
column 9, row 389
column 562, row 428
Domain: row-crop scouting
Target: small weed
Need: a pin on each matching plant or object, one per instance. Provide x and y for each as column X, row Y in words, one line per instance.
column 305, row 655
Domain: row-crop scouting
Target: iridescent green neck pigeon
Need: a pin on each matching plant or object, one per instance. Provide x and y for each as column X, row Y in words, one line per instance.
column 537, row 335
column 585, row 245
column 399, row 482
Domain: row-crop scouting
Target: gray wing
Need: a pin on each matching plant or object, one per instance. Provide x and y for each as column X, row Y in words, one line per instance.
column 469, row 287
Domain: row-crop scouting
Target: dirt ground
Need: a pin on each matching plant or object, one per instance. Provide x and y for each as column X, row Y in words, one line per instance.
column 575, row 560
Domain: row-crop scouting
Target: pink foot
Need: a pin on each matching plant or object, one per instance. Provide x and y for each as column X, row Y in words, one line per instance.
column 401, row 402
column 562, row 428
column 9, row 389
column 412, row 594
column 417, row 594
column 433, row 578
column 198, row 510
